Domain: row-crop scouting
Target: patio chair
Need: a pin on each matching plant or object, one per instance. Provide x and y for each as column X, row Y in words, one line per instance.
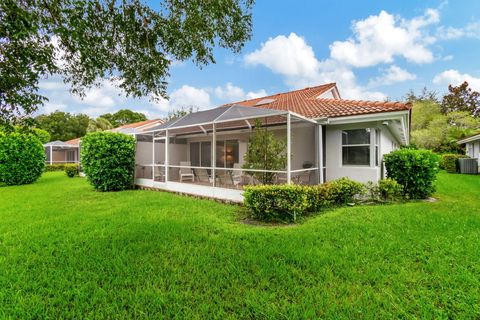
column 202, row 175
column 303, row 178
column 225, row 178
column 186, row 173
column 238, row 177
column 159, row 174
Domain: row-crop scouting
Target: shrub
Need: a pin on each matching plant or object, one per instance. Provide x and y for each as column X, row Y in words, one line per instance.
column 22, row 158
column 283, row 203
column 344, row 190
column 449, row 162
column 108, row 160
column 71, row 170
column 286, row 203
column 390, row 189
column 415, row 170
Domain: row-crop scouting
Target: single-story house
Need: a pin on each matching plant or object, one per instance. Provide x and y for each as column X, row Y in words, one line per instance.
column 472, row 146
column 59, row 152
column 326, row 137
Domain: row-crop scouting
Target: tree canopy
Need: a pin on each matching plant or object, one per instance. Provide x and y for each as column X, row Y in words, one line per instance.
column 99, row 124
column 125, row 42
column 123, row 116
column 461, row 98
column 63, row 125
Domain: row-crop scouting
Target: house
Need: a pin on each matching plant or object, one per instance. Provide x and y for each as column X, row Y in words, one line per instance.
column 472, row 146
column 327, row 138
column 59, row 152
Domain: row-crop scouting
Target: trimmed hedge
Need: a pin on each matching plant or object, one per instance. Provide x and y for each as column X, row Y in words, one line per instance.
column 72, row 170
column 108, row 160
column 415, row 170
column 286, row 203
column 55, row 167
column 22, row 158
column 449, row 162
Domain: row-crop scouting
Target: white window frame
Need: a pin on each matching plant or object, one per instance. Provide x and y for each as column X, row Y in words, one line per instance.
column 369, row 145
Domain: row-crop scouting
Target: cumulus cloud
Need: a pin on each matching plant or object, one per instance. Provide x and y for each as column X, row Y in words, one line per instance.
column 184, row 97
column 292, row 58
column 379, row 38
column 454, row 77
column 392, row 75
column 232, row 93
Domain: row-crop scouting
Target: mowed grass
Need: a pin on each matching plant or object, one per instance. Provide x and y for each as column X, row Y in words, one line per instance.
column 67, row 251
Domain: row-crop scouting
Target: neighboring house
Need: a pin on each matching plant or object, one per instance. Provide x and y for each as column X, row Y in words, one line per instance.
column 472, row 146
column 59, row 152
column 327, row 138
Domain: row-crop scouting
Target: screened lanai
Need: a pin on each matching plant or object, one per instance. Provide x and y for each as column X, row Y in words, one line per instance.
column 207, row 149
column 58, row 152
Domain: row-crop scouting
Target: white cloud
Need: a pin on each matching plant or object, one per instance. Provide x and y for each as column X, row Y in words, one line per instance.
column 379, row 38
column 294, row 59
column 454, row 77
column 185, row 96
column 231, row 93
column 471, row 30
column 289, row 56
column 391, row 75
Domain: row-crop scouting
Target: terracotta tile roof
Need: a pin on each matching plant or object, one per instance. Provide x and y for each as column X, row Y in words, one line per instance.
column 140, row 124
column 307, row 102
column 74, row 142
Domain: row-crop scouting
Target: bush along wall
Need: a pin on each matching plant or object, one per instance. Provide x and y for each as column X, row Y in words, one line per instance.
column 287, row 203
column 72, row 170
column 449, row 162
column 22, row 158
column 108, row 160
column 415, row 170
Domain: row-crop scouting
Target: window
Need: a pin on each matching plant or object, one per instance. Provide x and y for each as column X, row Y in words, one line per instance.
column 377, row 148
column 227, row 153
column 70, row 156
column 356, row 147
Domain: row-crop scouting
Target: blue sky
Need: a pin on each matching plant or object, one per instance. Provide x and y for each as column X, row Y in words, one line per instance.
column 374, row 50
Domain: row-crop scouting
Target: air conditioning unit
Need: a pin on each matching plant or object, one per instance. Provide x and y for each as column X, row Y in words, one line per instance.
column 468, row 165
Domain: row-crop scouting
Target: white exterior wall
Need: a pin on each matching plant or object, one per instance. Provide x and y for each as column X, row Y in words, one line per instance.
column 333, row 144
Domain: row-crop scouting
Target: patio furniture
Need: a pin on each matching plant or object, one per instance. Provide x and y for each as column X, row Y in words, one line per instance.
column 202, row 175
column 225, row 178
column 303, row 178
column 186, row 173
column 238, row 177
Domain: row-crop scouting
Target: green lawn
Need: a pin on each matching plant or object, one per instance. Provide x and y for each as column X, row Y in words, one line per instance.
column 67, row 251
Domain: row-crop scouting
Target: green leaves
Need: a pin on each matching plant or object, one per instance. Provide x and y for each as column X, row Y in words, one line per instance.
column 415, row 170
column 108, row 160
column 22, row 158
column 265, row 152
column 126, row 42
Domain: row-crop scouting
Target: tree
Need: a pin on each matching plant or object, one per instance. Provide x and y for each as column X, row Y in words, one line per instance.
column 125, row 42
column 100, row 124
column 461, row 98
column 425, row 95
column 264, row 152
column 63, row 126
column 123, row 117
column 431, row 129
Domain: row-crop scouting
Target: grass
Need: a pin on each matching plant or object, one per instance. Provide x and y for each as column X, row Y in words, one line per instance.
column 67, row 251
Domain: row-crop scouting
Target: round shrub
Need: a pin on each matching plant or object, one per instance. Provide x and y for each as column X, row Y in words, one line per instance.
column 108, row 160
column 390, row 190
column 71, row 170
column 415, row 170
column 22, row 158
column 344, row 190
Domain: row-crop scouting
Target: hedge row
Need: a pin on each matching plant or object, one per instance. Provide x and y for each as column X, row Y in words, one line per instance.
column 55, row 167
column 286, row 203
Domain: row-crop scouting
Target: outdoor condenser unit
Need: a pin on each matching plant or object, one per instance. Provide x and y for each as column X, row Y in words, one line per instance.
column 468, row 165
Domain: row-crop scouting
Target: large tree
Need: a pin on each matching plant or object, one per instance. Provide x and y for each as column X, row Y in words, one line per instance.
column 461, row 98
column 126, row 42
column 123, row 116
column 63, row 125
